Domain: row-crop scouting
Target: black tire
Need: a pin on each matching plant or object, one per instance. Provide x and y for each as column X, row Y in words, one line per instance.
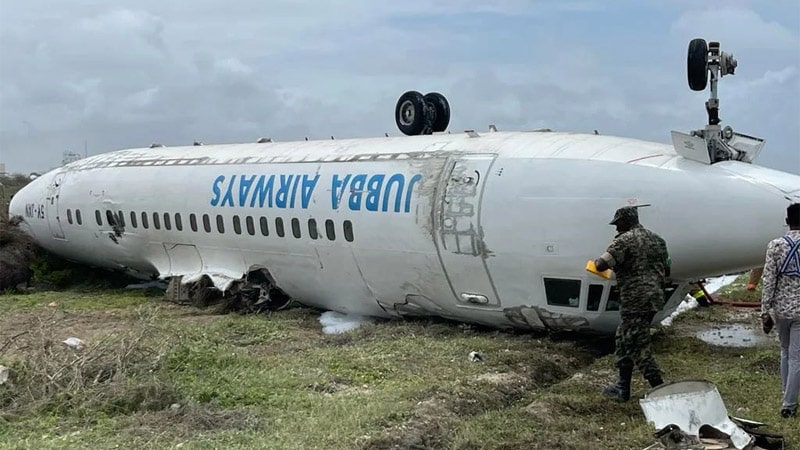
column 409, row 113
column 696, row 64
column 442, row 108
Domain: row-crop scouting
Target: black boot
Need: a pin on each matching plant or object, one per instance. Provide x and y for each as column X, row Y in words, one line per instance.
column 621, row 390
column 655, row 380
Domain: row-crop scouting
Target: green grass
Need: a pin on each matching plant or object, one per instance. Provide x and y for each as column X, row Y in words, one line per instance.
column 174, row 375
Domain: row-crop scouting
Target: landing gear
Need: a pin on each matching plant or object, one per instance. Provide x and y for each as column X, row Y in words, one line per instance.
column 417, row 114
column 696, row 64
column 442, row 108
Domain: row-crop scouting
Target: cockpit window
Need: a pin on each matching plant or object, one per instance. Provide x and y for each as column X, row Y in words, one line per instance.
column 595, row 297
column 562, row 292
column 613, row 299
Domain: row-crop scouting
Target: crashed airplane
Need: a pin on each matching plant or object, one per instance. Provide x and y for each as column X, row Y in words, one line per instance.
column 490, row 227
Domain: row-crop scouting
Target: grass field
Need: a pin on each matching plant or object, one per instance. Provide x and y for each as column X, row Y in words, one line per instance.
column 157, row 375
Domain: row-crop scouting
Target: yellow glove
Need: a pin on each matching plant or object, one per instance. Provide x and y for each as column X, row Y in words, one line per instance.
column 590, row 267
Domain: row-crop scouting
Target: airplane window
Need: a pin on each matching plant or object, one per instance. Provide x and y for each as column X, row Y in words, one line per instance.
column 110, row 218
column 178, row 222
column 264, row 226
column 561, row 292
column 156, row 221
column 69, row 216
column 296, row 228
column 145, row 225
column 251, row 228
column 98, row 217
column 193, row 222
column 348, row 231
column 167, row 223
column 613, row 299
column 120, row 218
column 329, row 230
column 133, row 219
column 279, row 226
column 206, row 223
column 312, row 229
column 78, row 216
column 220, row 224
column 595, row 295
column 237, row 225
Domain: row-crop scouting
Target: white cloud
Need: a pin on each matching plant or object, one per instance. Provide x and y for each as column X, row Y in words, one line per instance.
column 128, row 74
column 736, row 28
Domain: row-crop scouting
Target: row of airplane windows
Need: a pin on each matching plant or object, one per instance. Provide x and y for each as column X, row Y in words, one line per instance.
column 168, row 220
column 566, row 292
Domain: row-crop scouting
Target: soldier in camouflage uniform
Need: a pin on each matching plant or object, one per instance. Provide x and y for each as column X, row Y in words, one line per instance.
column 640, row 261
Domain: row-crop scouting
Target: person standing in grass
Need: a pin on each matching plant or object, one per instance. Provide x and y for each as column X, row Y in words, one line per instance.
column 640, row 260
column 780, row 298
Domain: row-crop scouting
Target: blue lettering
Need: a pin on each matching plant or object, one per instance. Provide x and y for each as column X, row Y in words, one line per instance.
column 283, row 191
column 373, row 192
column 244, row 188
column 228, row 198
column 215, row 189
column 308, row 190
column 262, row 191
column 356, row 191
column 337, row 190
column 415, row 179
column 294, row 191
column 399, row 180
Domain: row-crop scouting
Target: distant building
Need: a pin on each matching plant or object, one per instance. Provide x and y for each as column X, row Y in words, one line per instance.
column 70, row 157
column 3, row 169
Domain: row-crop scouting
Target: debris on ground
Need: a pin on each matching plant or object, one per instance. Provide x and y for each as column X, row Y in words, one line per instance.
column 74, row 343
column 6, row 374
column 475, row 357
column 691, row 415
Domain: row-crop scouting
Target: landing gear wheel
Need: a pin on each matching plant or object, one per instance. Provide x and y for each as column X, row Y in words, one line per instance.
column 442, row 108
column 696, row 64
column 410, row 112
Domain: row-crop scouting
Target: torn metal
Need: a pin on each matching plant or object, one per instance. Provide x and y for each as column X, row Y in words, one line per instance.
column 691, row 414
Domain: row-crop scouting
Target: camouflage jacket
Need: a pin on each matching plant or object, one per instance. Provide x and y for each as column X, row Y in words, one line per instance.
column 780, row 292
column 640, row 259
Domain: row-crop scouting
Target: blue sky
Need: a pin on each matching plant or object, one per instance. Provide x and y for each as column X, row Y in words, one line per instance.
column 126, row 74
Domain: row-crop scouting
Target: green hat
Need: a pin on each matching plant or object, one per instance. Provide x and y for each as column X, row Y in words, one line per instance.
column 628, row 214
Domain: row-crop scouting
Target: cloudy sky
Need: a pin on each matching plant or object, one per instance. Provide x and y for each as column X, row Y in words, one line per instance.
column 125, row 74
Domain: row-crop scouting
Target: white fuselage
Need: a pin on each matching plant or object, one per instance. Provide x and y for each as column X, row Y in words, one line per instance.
column 493, row 229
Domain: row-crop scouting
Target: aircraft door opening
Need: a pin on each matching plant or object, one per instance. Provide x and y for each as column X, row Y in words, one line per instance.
column 459, row 238
column 53, row 217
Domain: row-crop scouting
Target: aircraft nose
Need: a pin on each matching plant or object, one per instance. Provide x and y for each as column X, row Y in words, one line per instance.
column 24, row 204
column 17, row 205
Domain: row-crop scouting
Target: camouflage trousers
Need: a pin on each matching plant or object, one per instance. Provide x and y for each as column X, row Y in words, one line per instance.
column 633, row 344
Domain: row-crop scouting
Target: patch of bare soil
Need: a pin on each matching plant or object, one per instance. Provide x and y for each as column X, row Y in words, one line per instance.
column 16, row 329
column 438, row 411
column 184, row 421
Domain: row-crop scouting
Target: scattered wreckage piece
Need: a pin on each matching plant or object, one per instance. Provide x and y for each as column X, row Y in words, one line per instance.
column 690, row 414
column 253, row 293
